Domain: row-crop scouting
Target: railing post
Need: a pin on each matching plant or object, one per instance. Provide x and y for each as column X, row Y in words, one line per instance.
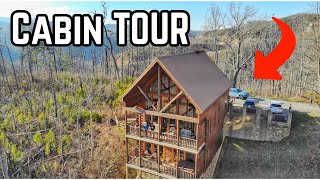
column 178, row 131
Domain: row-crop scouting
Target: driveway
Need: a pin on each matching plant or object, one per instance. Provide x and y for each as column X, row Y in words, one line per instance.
column 296, row 106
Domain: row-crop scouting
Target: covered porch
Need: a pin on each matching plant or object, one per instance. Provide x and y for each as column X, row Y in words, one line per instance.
column 173, row 131
column 171, row 162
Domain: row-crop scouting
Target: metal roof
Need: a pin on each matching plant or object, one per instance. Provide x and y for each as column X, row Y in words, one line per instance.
column 199, row 76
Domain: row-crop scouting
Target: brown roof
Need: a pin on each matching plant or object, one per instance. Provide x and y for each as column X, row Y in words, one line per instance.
column 199, row 76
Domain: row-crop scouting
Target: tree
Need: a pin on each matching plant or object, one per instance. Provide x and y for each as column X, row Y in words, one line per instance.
column 238, row 16
column 213, row 22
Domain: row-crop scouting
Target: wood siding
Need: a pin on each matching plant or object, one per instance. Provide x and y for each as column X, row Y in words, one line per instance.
column 214, row 116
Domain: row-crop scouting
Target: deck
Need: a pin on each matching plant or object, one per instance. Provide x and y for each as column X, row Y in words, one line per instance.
column 170, row 138
column 184, row 171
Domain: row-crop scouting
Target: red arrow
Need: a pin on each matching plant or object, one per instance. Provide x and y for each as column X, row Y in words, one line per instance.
column 266, row 67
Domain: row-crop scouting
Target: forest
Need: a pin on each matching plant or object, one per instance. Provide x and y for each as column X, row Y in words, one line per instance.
column 55, row 103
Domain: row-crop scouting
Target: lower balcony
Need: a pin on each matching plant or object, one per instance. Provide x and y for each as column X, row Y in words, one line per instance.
column 184, row 169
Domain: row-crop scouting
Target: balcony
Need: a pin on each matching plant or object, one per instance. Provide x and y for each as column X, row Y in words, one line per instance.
column 185, row 170
column 168, row 137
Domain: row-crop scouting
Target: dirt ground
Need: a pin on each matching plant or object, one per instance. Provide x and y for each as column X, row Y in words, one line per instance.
column 109, row 156
column 297, row 156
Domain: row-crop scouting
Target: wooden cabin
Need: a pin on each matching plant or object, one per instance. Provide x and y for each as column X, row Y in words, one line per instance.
column 175, row 114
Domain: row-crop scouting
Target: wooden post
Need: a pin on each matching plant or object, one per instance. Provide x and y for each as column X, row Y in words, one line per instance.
column 127, row 172
column 164, row 153
column 172, row 155
column 159, row 87
column 178, row 131
column 127, row 150
column 125, row 117
column 152, row 148
column 159, row 127
column 195, row 166
column 178, row 159
column 177, row 101
column 158, row 156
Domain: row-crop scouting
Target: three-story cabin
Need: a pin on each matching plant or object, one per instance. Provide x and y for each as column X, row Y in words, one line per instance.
column 178, row 105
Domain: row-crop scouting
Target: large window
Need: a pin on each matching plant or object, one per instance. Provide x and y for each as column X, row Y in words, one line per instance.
column 182, row 106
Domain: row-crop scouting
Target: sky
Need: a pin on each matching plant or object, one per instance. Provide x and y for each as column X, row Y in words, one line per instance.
column 197, row 10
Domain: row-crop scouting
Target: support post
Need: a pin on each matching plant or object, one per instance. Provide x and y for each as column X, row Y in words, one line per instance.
column 178, row 159
column 127, row 150
column 127, row 172
column 158, row 156
column 178, row 131
column 195, row 166
column 126, row 121
column 159, row 127
column 159, row 88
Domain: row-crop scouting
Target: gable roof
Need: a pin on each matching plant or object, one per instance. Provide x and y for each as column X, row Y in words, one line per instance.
column 199, row 76
column 196, row 74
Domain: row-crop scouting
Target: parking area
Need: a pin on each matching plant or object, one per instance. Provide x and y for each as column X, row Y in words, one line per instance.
column 259, row 124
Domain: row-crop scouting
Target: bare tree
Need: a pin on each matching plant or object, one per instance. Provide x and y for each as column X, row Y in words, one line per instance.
column 238, row 16
column 214, row 22
column 108, row 36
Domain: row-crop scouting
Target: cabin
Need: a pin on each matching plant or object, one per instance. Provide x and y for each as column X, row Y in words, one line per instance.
column 174, row 115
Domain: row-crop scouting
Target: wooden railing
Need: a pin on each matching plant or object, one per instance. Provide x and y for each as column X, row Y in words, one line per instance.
column 149, row 134
column 188, row 142
column 186, row 174
column 168, row 137
column 150, row 164
column 133, row 129
column 168, row 169
column 164, row 168
column 133, row 158
column 165, row 137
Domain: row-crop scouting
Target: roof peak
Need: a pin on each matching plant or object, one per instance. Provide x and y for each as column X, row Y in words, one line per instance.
column 194, row 52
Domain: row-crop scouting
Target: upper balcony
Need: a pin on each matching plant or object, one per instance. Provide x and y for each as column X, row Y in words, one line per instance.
column 163, row 130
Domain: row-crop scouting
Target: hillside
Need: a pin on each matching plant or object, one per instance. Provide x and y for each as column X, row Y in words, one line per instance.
column 57, row 104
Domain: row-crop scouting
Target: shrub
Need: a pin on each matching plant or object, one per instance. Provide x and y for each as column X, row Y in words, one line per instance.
column 50, row 142
column 37, row 138
column 121, row 87
column 16, row 154
column 41, row 119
